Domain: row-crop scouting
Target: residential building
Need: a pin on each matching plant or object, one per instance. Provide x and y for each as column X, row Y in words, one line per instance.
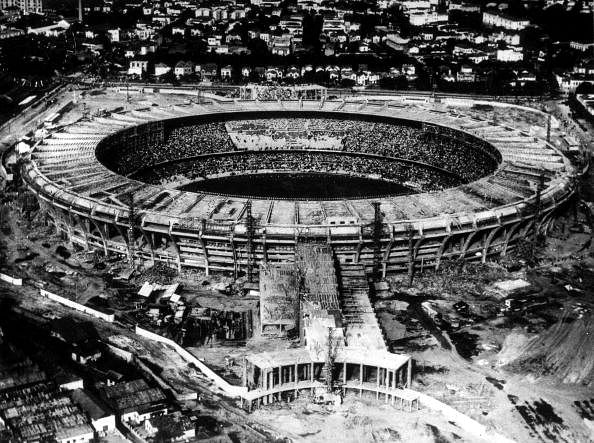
column 134, row 400
column 27, row 6
column 510, row 55
column 183, row 68
column 137, row 67
column 226, row 72
column 161, row 68
column 499, row 20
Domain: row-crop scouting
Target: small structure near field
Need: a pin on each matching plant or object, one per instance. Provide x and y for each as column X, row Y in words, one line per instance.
column 279, row 299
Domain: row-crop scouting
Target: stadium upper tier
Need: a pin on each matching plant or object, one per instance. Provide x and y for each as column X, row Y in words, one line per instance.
column 88, row 170
column 370, row 146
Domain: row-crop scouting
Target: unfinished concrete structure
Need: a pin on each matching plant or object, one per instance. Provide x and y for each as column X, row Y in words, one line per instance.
column 343, row 345
column 485, row 217
column 271, row 376
column 279, row 299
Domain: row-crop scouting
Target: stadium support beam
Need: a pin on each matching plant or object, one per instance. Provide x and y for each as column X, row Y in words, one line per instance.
column 203, row 246
column 377, row 246
column 236, row 264
column 264, row 247
column 508, row 235
column 177, row 251
column 411, row 253
column 359, row 246
column 441, row 249
column 249, row 232
column 148, row 240
column 83, row 227
column 488, row 242
column 467, row 242
column 388, row 252
column 102, row 235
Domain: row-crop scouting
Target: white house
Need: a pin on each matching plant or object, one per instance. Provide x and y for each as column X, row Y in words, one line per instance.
column 161, row 68
column 183, row 68
column 510, row 55
column 499, row 20
column 226, row 71
column 137, row 67
column 113, row 35
column 178, row 30
column 273, row 74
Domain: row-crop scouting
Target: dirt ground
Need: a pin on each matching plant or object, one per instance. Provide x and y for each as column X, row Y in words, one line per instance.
column 360, row 419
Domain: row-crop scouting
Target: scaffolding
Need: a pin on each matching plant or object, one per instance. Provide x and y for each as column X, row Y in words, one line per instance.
column 249, row 232
column 377, row 247
column 131, row 228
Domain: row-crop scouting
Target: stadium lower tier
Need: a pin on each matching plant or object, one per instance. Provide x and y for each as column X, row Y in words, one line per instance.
column 229, row 248
column 410, row 175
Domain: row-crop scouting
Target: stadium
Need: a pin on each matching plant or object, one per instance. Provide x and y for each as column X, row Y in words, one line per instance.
column 395, row 183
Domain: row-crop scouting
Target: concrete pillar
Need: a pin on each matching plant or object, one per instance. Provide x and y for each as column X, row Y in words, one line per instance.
column 377, row 382
column 296, row 374
column 361, row 374
column 312, row 372
column 409, row 374
column 344, row 373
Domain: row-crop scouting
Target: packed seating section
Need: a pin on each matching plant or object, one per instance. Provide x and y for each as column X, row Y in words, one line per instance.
column 464, row 158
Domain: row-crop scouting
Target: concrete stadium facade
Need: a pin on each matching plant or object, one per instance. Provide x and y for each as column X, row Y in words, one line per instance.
column 475, row 221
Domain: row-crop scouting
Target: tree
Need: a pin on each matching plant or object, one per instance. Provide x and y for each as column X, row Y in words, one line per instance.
column 347, row 83
column 258, row 47
column 585, row 88
column 387, row 83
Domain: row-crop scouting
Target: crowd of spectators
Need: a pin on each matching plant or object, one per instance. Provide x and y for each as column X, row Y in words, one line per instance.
column 438, row 148
column 417, row 177
column 466, row 159
column 182, row 142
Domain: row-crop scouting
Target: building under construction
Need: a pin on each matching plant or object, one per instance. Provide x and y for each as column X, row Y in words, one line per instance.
column 338, row 328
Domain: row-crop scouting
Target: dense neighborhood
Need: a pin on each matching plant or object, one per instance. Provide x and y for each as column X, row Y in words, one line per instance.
column 458, row 46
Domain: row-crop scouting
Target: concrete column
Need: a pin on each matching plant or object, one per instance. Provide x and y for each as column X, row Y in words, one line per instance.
column 361, row 374
column 312, row 372
column 409, row 374
column 377, row 382
column 296, row 374
column 344, row 373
